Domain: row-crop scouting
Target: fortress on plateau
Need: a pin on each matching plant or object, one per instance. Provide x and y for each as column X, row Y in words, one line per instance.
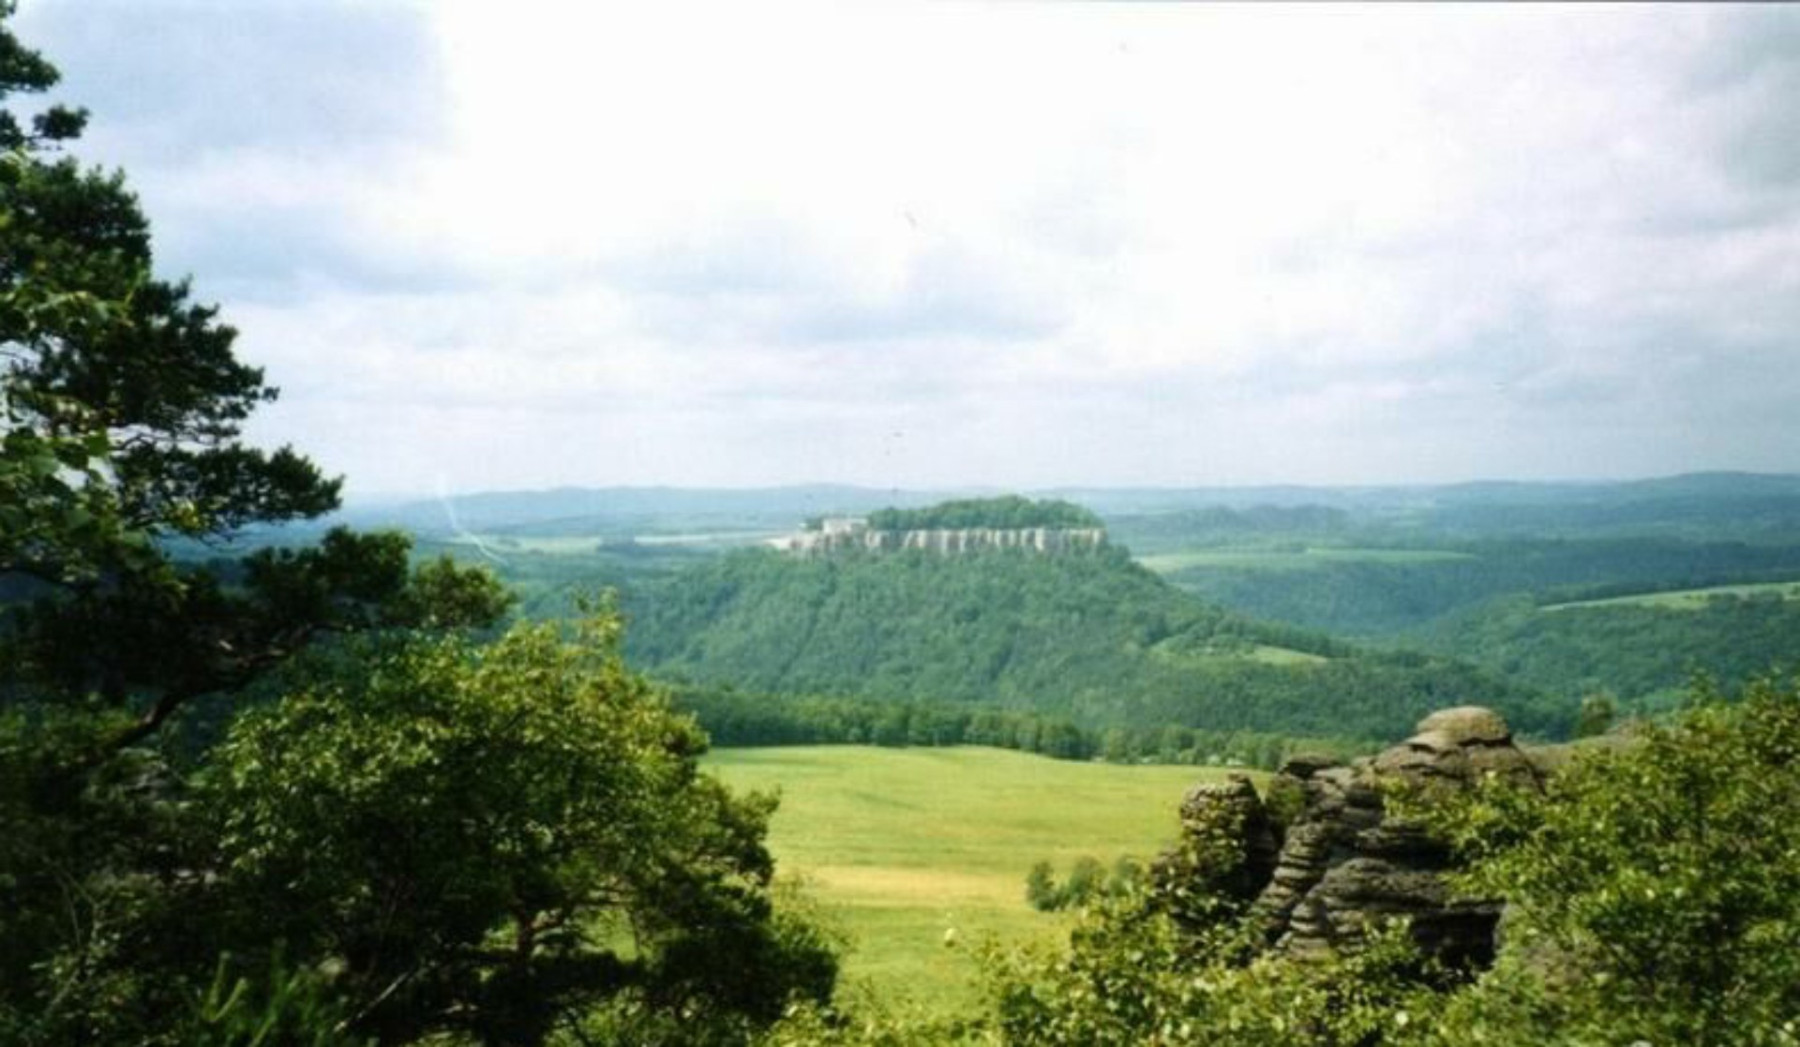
column 844, row 534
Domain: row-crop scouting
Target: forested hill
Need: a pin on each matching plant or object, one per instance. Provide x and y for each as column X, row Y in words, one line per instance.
column 1092, row 636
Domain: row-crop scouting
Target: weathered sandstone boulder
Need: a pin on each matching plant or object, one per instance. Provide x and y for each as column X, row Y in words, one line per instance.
column 1342, row 862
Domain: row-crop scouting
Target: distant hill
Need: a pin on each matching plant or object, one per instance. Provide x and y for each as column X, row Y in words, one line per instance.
column 1092, row 636
column 1387, row 593
column 1645, row 650
column 596, row 510
column 1720, row 502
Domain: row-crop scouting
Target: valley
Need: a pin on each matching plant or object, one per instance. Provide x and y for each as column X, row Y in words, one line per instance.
column 1280, row 600
column 975, row 525
column 937, row 716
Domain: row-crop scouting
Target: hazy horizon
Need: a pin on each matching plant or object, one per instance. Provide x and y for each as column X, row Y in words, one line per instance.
column 365, row 498
column 963, row 246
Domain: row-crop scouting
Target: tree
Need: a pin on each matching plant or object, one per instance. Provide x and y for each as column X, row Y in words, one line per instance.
column 495, row 839
column 121, row 409
column 123, row 404
column 1596, row 715
column 1653, row 893
column 290, row 797
column 1040, row 887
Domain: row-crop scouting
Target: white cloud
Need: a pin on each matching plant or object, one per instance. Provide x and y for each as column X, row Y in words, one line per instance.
column 999, row 244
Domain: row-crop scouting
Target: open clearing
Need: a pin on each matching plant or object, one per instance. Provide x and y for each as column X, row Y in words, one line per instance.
column 1283, row 559
column 1270, row 655
column 1689, row 599
column 1267, row 654
column 899, row 846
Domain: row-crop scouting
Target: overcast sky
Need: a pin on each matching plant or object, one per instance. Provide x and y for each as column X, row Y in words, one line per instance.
column 514, row 245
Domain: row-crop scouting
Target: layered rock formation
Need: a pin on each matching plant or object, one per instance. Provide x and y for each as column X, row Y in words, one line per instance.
column 841, row 536
column 1343, row 861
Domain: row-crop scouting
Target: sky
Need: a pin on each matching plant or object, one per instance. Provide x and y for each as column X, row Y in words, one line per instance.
column 485, row 246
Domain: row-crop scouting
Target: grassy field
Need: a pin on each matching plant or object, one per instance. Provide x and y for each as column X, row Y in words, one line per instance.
column 1267, row 654
column 1270, row 655
column 900, row 846
column 1689, row 599
column 1280, row 559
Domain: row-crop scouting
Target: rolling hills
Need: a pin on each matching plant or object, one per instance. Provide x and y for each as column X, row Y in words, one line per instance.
column 1090, row 635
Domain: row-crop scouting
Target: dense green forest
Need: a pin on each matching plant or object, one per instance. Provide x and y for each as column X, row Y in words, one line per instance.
column 1644, row 654
column 1543, row 613
column 1444, row 570
column 1376, row 596
column 1420, row 570
column 1092, row 637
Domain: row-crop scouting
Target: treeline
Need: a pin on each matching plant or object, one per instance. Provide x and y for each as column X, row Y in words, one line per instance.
column 735, row 719
column 1010, row 512
column 1093, row 638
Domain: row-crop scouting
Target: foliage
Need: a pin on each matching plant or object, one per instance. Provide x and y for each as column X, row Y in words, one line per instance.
column 1643, row 654
column 485, row 838
column 1653, row 889
column 401, row 831
column 1653, row 897
column 92, row 862
column 1596, row 715
column 1092, row 638
column 278, row 1006
column 1007, row 513
column 1497, row 602
column 1396, row 596
column 123, row 406
column 873, row 1024
column 737, row 719
column 1133, row 975
column 121, row 399
column 1088, row 882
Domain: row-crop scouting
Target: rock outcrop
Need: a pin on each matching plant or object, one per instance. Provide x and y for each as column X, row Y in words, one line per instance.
column 1344, row 862
column 833, row 539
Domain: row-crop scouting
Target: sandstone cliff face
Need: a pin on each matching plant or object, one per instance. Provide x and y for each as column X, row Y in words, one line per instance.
column 947, row 542
column 1343, row 862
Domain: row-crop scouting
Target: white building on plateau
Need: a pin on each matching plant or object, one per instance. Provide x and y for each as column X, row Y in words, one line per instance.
column 843, row 533
column 832, row 532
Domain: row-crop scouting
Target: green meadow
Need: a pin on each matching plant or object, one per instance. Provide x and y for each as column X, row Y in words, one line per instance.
column 917, row 854
column 1306, row 558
